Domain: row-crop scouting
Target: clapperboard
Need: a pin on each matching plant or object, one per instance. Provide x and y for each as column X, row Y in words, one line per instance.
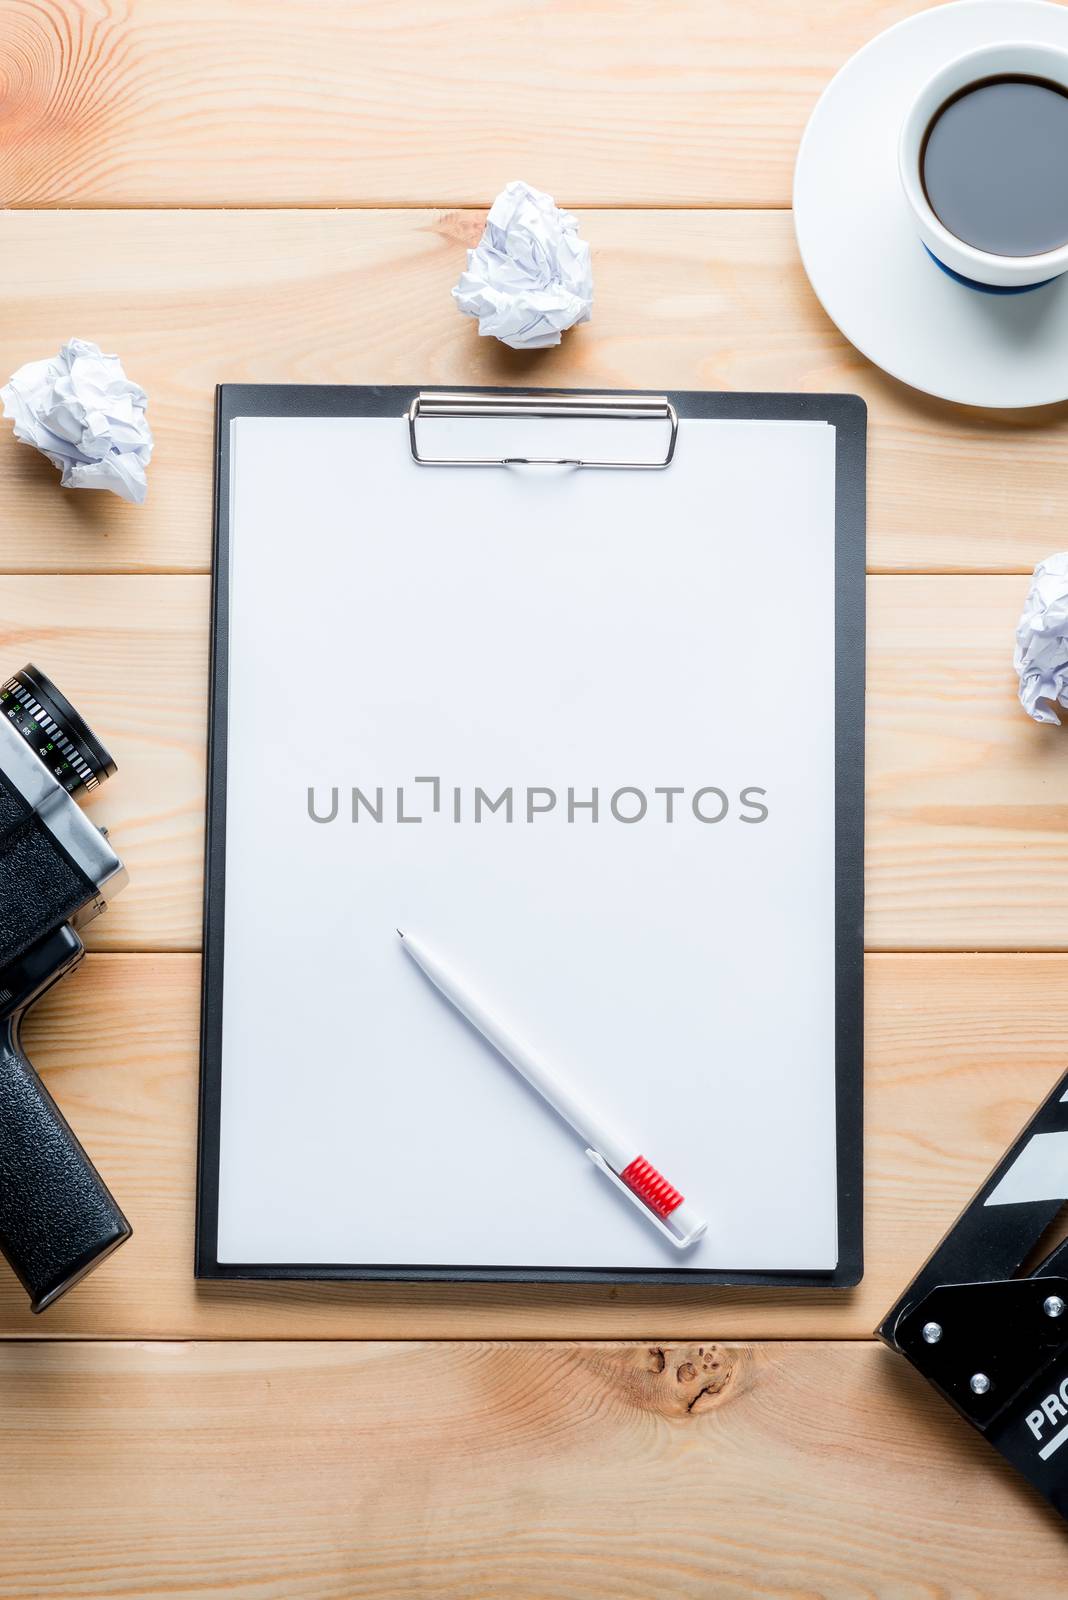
column 987, row 1324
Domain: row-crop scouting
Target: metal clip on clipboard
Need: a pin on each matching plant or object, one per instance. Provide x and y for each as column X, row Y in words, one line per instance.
column 611, row 407
column 986, row 1326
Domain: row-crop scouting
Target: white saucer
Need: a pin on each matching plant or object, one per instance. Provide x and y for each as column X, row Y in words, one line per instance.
column 861, row 249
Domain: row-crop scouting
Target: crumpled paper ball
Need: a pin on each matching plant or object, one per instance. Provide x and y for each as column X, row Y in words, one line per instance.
column 1041, row 656
column 530, row 277
column 81, row 410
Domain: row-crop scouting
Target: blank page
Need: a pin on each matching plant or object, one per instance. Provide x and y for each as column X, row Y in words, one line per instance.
column 637, row 669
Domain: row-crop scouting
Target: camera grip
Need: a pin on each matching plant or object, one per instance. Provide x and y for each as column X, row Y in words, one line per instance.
column 57, row 1217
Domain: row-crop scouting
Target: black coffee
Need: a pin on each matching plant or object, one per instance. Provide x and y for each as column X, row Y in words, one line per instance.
column 994, row 165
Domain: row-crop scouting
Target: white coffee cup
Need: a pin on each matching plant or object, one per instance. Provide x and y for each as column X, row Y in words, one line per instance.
column 981, row 267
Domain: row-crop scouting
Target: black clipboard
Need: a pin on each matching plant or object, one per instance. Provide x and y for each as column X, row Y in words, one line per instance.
column 848, row 415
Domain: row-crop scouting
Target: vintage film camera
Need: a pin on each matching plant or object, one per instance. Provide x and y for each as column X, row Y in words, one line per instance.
column 57, row 1218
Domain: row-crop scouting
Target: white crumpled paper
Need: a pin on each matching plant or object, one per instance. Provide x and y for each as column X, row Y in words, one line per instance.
column 1041, row 656
column 530, row 277
column 81, row 411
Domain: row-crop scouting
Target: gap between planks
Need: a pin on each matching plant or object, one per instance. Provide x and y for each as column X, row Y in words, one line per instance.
column 205, row 571
column 660, row 1337
column 923, row 953
column 397, row 205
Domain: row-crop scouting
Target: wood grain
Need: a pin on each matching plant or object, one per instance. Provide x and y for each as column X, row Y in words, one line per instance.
column 967, row 798
column 374, row 102
column 681, row 1465
column 960, row 1050
column 136, row 648
column 684, row 300
column 548, row 1472
column 966, row 807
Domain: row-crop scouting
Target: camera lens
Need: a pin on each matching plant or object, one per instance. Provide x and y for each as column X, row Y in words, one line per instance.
column 53, row 729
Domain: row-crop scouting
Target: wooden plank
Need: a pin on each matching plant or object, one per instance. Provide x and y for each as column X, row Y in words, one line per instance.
column 559, row 1471
column 967, row 801
column 698, row 300
column 98, row 638
column 189, row 103
column 967, row 798
column 960, row 1050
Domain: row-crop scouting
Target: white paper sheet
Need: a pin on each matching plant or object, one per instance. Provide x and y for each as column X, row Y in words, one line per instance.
column 535, row 629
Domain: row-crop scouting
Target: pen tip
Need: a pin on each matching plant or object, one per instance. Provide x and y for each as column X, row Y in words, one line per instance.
column 399, row 934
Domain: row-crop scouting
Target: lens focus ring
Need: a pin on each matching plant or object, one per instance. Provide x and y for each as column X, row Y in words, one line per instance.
column 61, row 739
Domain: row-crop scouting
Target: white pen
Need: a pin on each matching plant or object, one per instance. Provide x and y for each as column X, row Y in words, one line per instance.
column 618, row 1158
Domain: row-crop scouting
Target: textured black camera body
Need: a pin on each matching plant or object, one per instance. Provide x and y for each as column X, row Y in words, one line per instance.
column 57, row 871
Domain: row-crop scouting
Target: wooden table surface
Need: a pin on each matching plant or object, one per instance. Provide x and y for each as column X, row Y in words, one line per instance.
column 248, row 190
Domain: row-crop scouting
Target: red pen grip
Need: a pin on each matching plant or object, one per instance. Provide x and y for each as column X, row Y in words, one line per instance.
column 651, row 1186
